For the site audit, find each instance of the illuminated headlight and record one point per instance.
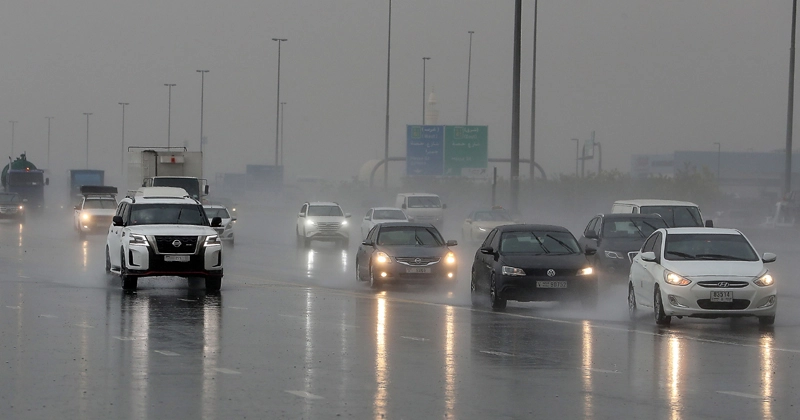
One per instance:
(137, 239)
(344, 223)
(450, 258)
(513, 271)
(233, 209)
(613, 255)
(212, 240)
(21, 207)
(85, 216)
(675, 279)
(586, 271)
(765, 280)
(382, 257)
(310, 223)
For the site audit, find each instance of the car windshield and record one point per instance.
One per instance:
(631, 227)
(722, 247)
(9, 198)
(538, 242)
(389, 215)
(217, 212)
(676, 216)
(429, 202)
(410, 236)
(25, 178)
(325, 211)
(100, 203)
(167, 214)
(491, 216)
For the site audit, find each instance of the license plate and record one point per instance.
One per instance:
(418, 270)
(722, 296)
(552, 284)
(176, 258)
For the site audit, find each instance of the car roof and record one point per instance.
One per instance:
(629, 216)
(161, 192)
(322, 203)
(420, 194)
(214, 206)
(386, 208)
(702, 230)
(405, 224)
(530, 227)
(656, 202)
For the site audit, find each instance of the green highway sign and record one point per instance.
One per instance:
(466, 150)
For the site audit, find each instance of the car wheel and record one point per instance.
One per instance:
(658, 309)
(129, 282)
(108, 260)
(373, 283)
(358, 271)
(473, 290)
(213, 283)
(765, 321)
(497, 302)
(631, 302)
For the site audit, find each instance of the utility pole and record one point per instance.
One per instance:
(533, 92)
(87, 138)
(278, 98)
(469, 70)
(169, 113)
(515, 106)
(48, 142)
(424, 60)
(388, 72)
(787, 186)
(122, 146)
(202, 93)
(283, 112)
(13, 123)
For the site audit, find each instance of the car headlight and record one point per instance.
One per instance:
(614, 255)
(513, 271)
(382, 257)
(765, 280)
(344, 223)
(310, 223)
(586, 271)
(675, 279)
(137, 239)
(21, 207)
(85, 216)
(212, 240)
(450, 258)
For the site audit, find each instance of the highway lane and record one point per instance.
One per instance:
(292, 335)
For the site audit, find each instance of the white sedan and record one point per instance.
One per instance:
(702, 272)
(377, 215)
(225, 230)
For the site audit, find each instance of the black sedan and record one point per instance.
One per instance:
(405, 253)
(617, 238)
(532, 263)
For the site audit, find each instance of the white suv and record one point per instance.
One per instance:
(161, 232)
(322, 221)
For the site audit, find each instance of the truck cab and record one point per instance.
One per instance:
(197, 188)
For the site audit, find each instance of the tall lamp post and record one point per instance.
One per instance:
(787, 181)
(719, 150)
(577, 154)
(13, 123)
(283, 113)
(87, 138)
(424, 60)
(48, 141)
(169, 112)
(122, 146)
(388, 72)
(278, 98)
(202, 88)
(469, 70)
(515, 105)
(533, 91)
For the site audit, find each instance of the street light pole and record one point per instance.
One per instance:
(515, 117)
(388, 72)
(469, 70)
(48, 141)
(278, 98)
(787, 185)
(577, 155)
(719, 150)
(122, 147)
(282, 115)
(424, 60)
(169, 113)
(13, 123)
(202, 93)
(87, 138)
(533, 91)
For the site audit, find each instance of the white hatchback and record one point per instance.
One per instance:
(702, 272)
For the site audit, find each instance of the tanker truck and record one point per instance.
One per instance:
(22, 177)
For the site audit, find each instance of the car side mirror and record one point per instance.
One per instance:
(487, 250)
(590, 251)
(769, 257)
(368, 243)
(347, 215)
(117, 221)
(709, 223)
(301, 215)
(233, 219)
(47, 181)
(216, 221)
(590, 234)
(205, 189)
(452, 242)
(649, 256)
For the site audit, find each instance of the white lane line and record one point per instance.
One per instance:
(293, 316)
(306, 317)
(497, 353)
(414, 338)
(13, 307)
(120, 338)
(23, 277)
(237, 307)
(228, 371)
(48, 316)
(743, 395)
(83, 325)
(600, 370)
(167, 353)
(306, 395)
(187, 300)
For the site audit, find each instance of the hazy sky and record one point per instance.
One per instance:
(648, 77)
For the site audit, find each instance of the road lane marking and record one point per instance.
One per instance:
(228, 371)
(743, 395)
(24, 277)
(306, 395)
(48, 316)
(237, 307)
(13, 307)
(187, 300)
(83, 325)
(599, 370)
(414, 338)
(497, 353)
(120, 338)
(304, 317)
(167, 353)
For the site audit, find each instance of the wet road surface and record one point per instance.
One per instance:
(293, 335)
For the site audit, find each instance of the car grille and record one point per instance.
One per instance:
(188, 244)
(722, 284)
(542, 272)
(328, 226)
(736, 304)
(418, 261)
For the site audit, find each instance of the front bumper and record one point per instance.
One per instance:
(525, 288)
(440, 273)
(143, 261)
(95, 224)
(695, 301)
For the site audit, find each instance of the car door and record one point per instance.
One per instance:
(592, 226)
(365, 251)
(76, 214)
(648, 271)
(483, 262)
(366, 224)
(113, 240)
(301, 220)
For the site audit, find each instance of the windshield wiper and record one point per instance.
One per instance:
(571, 251)
(682, 254)
(720, 257)
(544, 248)
(638, 229)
